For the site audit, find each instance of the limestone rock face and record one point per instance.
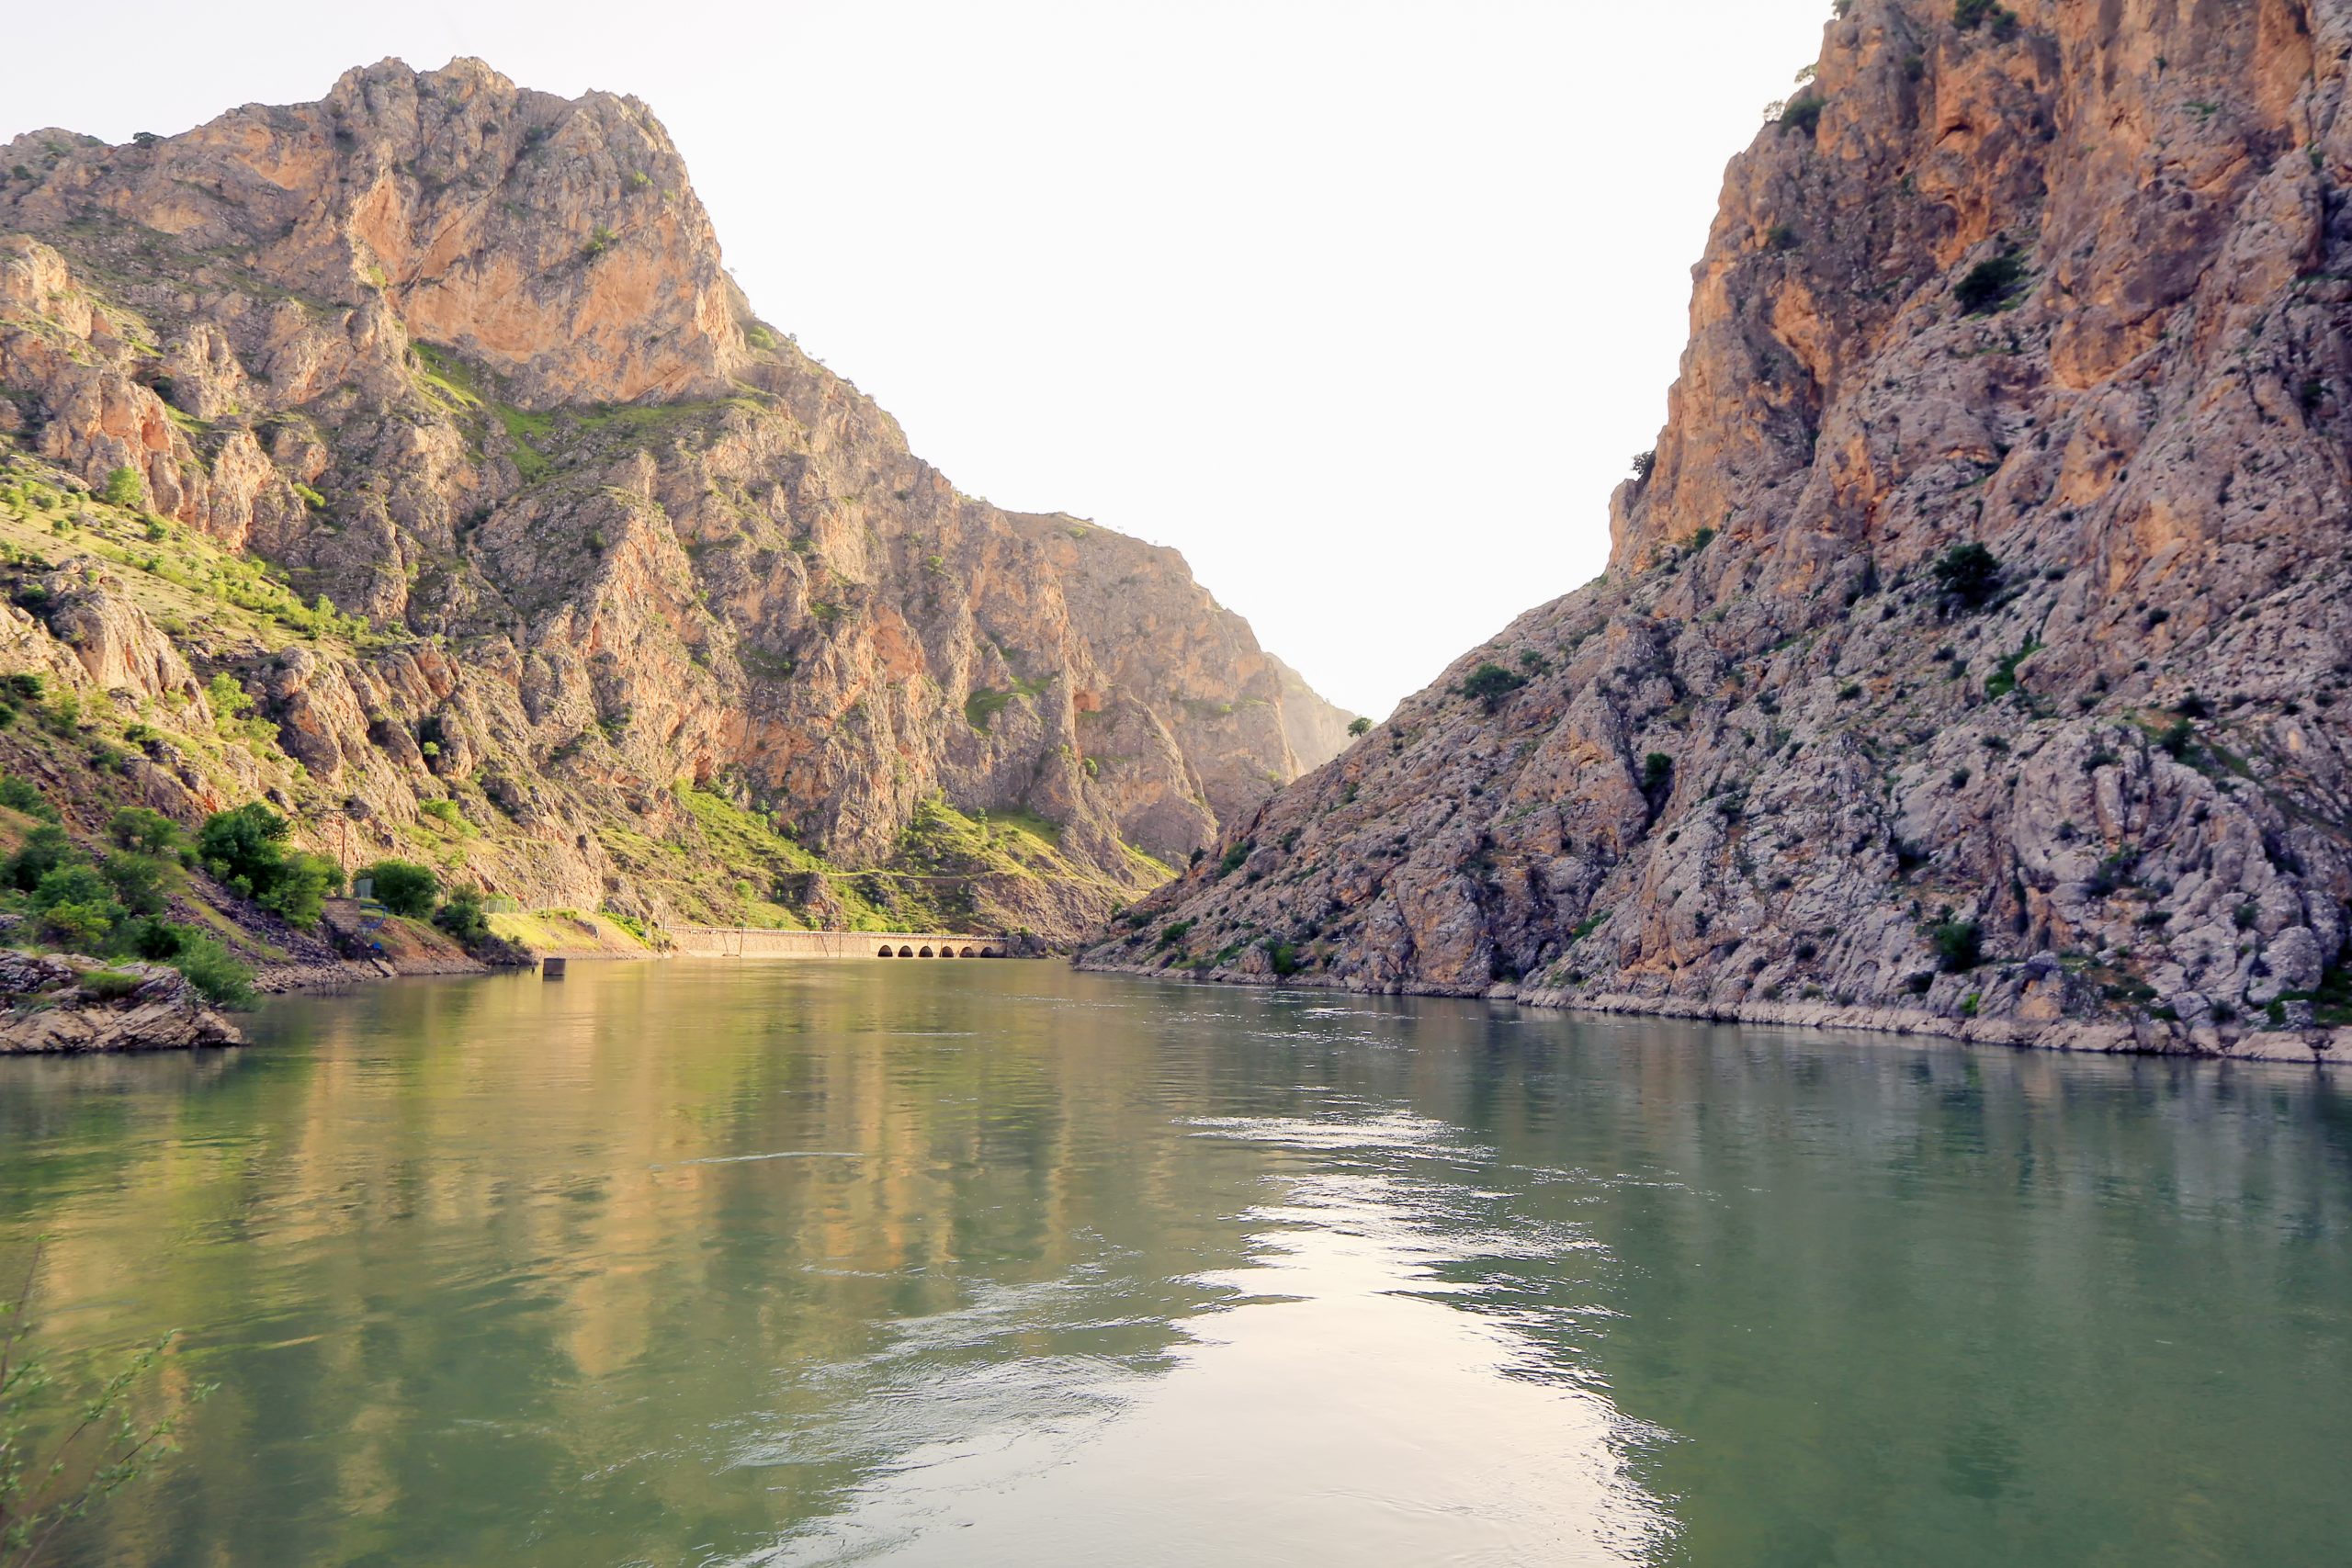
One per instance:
(2068, 286)
(461, 359)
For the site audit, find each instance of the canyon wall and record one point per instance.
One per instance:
(1973, 654)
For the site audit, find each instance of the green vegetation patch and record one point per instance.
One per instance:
(984, 704)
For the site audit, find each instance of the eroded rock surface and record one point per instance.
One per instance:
(2070, 283)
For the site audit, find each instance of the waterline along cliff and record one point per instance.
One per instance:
(409, 460)
(1973, 654)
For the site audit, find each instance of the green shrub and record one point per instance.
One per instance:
(213, 970)
(1803, 113)
(1489, 685)
(19, 795)
(45, 849)
(1360, 727)
(245, 849)
(144, 882)
(1657, 773)
(1172, 934)
(462, 916)
(155, 940)
(1285, 958)
(1970, 15)
(1968, 573)
(82, 928)
(1958, 945)
(123, 489)
(149, 833)
(1990, 285)
(1235, 856)
(75, 882)
(403, 887)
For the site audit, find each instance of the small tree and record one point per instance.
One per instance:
(149, 833)
(1360, 726)
(1489, 685)
(123, 489)
(43, 850)
(404, 887)
(462, 916)
(246, 849)
(144, 882)
(1968, 573)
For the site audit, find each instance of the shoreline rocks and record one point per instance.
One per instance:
(65, 1006)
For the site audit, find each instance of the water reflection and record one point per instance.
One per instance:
(1392, 1427)
(713, 1263)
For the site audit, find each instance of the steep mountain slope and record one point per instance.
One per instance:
(598, 586)
(2068, 284)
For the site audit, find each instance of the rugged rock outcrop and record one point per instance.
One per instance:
(57, 1005)
(562, 543)
(2066, 283)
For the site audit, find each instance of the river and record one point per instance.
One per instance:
(784, 1263)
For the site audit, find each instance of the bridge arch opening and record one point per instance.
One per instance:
(886, 951)
(965, 954)
(906, 952)
(925, 952)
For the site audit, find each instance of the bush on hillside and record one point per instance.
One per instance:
(122, 489)
(114, 909)
(1969, 573)
(1958, 945)
(18, 795)
(1489, 685)
(463, 918)
(245, 849)
(149, 833)
(1990, 285)
(403, 887)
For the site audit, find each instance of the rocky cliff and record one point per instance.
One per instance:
(1974, 653)
(427, 416)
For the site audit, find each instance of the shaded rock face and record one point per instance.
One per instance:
(2068, 286)
(463, 359)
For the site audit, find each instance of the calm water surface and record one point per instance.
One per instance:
(994, 1263)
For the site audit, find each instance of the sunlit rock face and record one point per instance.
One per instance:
(463, 358)
(2065, 283)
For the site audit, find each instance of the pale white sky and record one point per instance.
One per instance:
(1363, 306)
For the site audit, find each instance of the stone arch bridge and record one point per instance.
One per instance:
(743, 941)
